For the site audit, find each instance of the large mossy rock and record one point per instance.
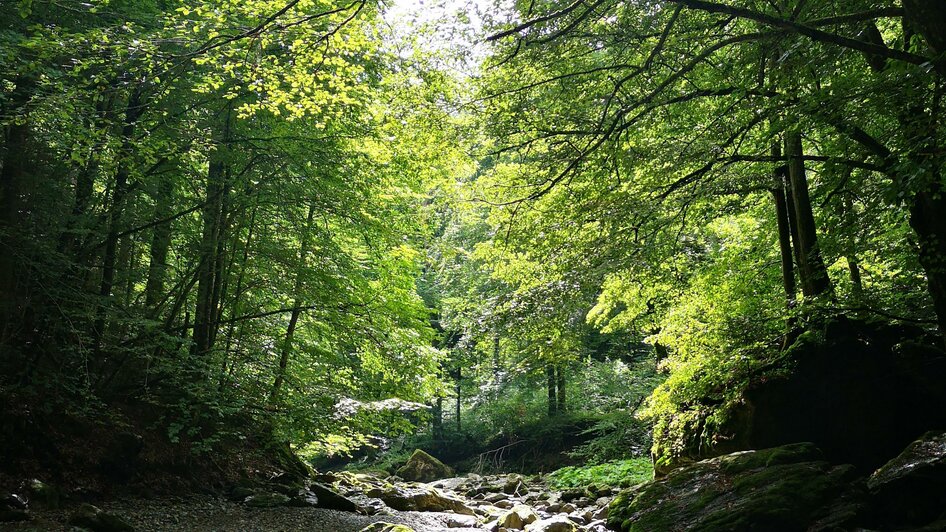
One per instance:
(911, 488)
(785, 488)
(421, 499)
(422, 467)
(861, 391)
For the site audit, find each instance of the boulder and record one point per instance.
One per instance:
(422, 467)
(13, 508)
(514, 484)
(518, 517)
(859, 390)
(327, 498)
(94, 519)
(558, 523)
(462, 521)
(790, 487)
(422, 499)
(911, 488)
(267, 500)
(42, 494)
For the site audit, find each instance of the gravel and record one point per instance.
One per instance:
(204, 514)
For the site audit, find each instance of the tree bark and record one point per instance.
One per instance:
(814, 275)
(204, 312)
(133, 112)
(560, 387)
(160, 245)
(459, 389)
(553, 400)
(784, 234)
(296, 309)
(15, 165)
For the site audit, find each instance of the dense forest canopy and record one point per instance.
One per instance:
(282, 213)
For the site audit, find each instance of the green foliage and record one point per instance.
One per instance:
(621, 473)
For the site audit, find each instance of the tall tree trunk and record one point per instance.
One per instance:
(560, 386)
(553, 400)
(15, 166)
(857, 286)
(160, 245)
(784, 234)
(437, 419)
(928, 220)
(120, 189)
(459, 390)
(236, 308)
(212, 214)
(296, 307)
(814, 275)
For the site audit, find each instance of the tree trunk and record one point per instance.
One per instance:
(857, 286)
(15, 165)
(928, 220)
(212, 214)
(132, 114)
(459, 389)
(160, 245)
(560, 386)
(437, 420)
(296, 308)
(784, 234)
(553, 400)
(814, 275)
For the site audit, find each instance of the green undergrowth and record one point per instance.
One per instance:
(622, 473)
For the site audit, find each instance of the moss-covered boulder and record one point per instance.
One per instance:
(422, 467)
(783, 488)
(911, 488)
(861, 390)
(267, 500)
(422, 499)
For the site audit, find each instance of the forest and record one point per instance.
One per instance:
(408, 266)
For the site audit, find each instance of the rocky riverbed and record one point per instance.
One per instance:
(347, 502)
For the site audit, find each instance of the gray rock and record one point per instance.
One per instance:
(42, 494)
(462, 521)
(422, 499)
(266, 500)
(518, 517)
(387, 527)
(495, 497)
(558, 523)
(328, 498)
(422, 467)
(94, 519)
(911, 488)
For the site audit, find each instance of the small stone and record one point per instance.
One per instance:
(462, 521)
(496, 497)
(503, 504)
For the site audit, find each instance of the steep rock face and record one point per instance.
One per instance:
(784, 488)
(861, 391)
(422, 467)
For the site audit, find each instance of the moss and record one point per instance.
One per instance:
(771, 489)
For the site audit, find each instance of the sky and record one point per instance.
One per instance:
(456, 27)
